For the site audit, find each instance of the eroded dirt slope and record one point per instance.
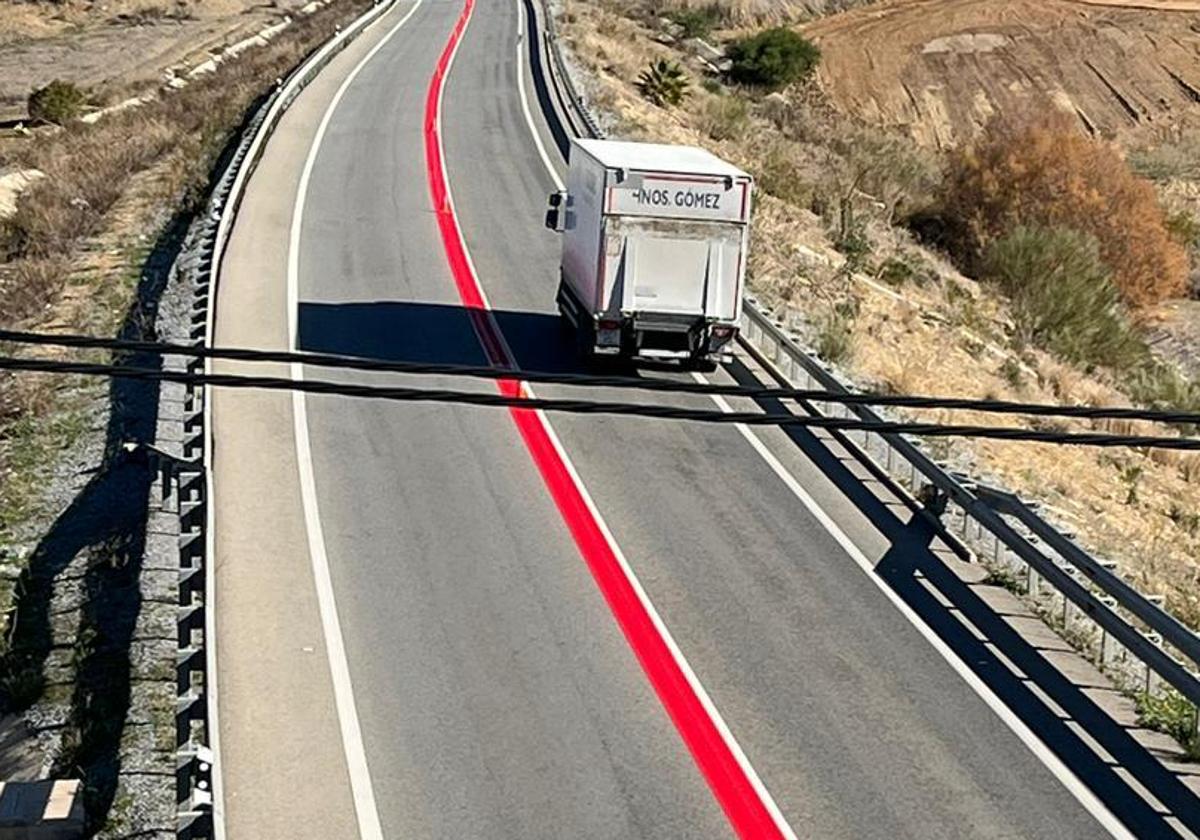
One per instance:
(119, 44)
(942, 68)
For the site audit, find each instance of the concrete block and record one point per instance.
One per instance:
(45, 810)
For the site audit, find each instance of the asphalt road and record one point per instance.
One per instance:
(496, 695)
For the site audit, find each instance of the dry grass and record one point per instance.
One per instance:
(936, 332)
(70, 256)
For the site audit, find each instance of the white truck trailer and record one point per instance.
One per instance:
(653, 250)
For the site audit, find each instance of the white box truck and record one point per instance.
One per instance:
(654, 241)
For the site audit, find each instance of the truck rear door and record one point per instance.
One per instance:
(675, 267)
(673, 243)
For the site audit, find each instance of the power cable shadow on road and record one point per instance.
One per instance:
(910, 567)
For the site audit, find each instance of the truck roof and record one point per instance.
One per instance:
(659, 157)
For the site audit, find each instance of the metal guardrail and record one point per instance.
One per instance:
(198, 779)
(1161, 644)
(583, 121)
(1099, 595)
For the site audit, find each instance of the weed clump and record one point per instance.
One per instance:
(1172, 713)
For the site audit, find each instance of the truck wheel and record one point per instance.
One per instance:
(566, 329)
(701, 364)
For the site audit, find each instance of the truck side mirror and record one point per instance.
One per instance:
(556, 216)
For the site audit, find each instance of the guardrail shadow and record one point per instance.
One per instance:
(105, 526)
(435, 333)
(910, 558)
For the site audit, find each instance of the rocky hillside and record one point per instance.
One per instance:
(942, 68)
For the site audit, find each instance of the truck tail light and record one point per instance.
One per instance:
(609, 324)
(720, 334)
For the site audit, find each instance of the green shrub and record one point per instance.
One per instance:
(664, 83)
(772, 58)
(58, 102)
(1063, 297)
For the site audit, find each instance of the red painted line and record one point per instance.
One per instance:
(746, 810)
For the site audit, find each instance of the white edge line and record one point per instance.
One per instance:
(1043, 753)
(224, 226)
(367, 813)
(660, 626)
(537, 137)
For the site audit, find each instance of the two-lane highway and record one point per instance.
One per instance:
(414, 640)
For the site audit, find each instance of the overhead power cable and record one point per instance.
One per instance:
(441, 395)
(329, 360)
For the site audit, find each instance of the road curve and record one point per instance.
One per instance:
(494, 693)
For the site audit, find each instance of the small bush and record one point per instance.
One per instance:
(1043, 172)
(851, 238)
(895, 271)
(1010, 371)
(27, 286)
(58, 102)
(698, 22)
(725, 117)
(1184, 228)
(835, 336)
(772, 58)
(1176, 158)
(1157, 385)
(1062, 296)
(780, 176)
(664, 83)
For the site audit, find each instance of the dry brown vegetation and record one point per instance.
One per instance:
(916, 325)
(65, 256)
(117, 48)
(1040, 170)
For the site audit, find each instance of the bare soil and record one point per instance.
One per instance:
(941, 68)
(118, 46)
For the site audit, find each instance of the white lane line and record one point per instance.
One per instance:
(1053, 763)
(369, 827)
(710, 708)
(1061, 771)
(537, 137)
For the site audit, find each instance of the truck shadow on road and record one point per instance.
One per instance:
(911, 568)
(435, 333)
